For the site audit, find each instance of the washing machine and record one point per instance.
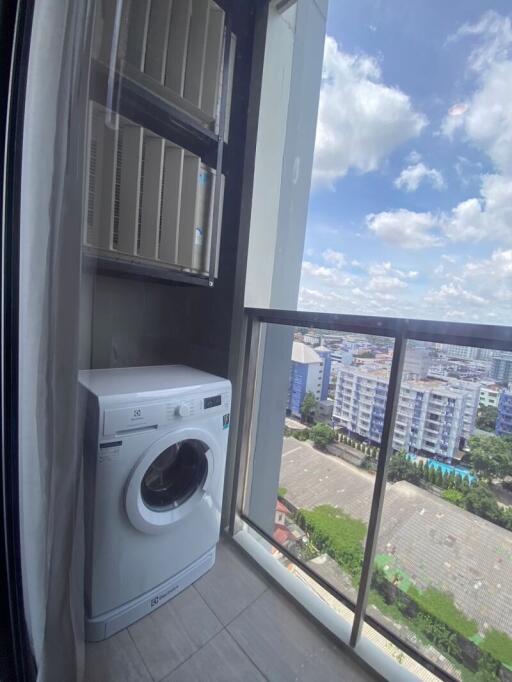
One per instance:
(154, 460)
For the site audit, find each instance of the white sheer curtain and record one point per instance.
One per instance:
(50, 423)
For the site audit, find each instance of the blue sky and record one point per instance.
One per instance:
(411, 203)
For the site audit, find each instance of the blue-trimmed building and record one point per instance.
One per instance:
(504, 420)
(325, 355)
(309, 372)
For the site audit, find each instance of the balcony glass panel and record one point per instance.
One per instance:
(442, 579)
(320, 469)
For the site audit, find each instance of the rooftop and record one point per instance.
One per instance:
(304, 354)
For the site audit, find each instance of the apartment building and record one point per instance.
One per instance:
(461, 352)
(307, 375)
(360, 400)
(504, 420)
(489, 395)
(434, 417)
(501, 368)
(325, 355)
(417, 362)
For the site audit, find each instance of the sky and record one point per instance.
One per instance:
(410, 211)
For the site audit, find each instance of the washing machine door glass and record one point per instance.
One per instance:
(175, 475)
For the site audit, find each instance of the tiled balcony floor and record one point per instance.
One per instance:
(232, 624)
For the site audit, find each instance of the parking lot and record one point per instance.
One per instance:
(433, 541)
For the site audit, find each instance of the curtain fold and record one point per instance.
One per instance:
(51, 496)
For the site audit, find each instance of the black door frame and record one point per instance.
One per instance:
(15, 29)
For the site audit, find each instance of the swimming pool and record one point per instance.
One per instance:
(449, 468)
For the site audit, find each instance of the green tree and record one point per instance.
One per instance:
(480, 500)
(307, 409)
(490, 457)
(321, 435)
(439, 478)
(453, 496)
(367, 354)
(401, 468)
(486, 418)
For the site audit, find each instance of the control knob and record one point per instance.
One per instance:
(183, 410)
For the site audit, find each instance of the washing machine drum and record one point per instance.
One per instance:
(171, 478)
(175, 475)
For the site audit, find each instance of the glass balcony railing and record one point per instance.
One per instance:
(409, 536)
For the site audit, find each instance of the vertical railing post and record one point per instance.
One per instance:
(245, 416)
(379, 489)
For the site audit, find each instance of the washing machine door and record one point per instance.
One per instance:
(171, 478)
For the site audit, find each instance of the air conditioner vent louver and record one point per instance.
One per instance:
(148, 199)
(151, 201)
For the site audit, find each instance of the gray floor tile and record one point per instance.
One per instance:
(173, 632)
(221, 660)
(115, 660)
(285, 645)
(232, 584)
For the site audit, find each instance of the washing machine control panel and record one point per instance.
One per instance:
(134, 418)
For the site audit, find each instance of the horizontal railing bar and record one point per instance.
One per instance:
(370, 620)
(496, 337)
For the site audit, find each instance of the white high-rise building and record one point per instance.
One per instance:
(416, 363)
(434, 417)
(461, 352)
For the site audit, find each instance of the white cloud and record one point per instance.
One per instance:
(484, 218)
(488, 122)
(487, 217)
(334, 257)
(385, 283)
(412, 177)
(413, 157)
(454, 292)
(407, 229)
(495, 34)
(329, 276)
(481, 290)
(319, 271)
(487, 116)
(360, 119)
(478, 289)
(376, 269)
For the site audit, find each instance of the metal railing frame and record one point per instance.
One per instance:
(400, 330)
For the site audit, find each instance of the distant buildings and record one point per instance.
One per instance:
(461, 352)
(311, 338)
(489, 395)
(325, 355)
(501, 368)
(307, 372)
(434, 417)
(416, 363)
(504, 420)
(341, 357)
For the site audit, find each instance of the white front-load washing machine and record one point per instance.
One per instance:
(154, 460)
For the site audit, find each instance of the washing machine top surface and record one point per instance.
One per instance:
(144, 380)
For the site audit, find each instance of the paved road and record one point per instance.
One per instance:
(435, 542)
